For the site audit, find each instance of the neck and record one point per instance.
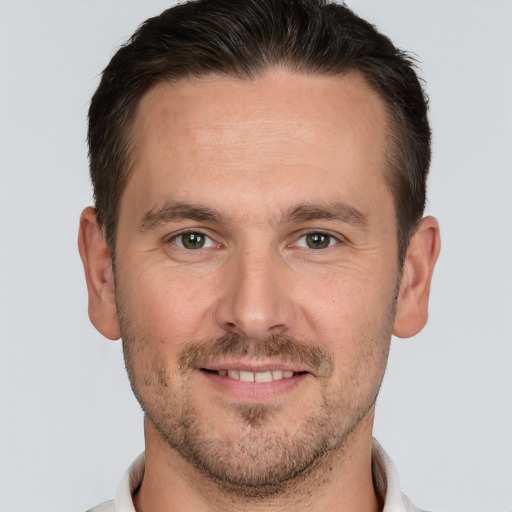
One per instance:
(341, 480)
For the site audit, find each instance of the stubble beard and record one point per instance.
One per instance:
(263, 460)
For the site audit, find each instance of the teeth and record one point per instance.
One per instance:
(234, 374)
(263, 377)
(246, 376)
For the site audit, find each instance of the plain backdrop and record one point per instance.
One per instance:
(69, 424)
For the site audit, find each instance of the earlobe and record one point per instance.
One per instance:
(99, 275)
(412, 308)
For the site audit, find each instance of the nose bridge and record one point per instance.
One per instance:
(255, 303)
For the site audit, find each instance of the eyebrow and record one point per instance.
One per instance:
(172, 211)
(177, 210)
(338, 211)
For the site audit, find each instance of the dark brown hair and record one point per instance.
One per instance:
(243, 38)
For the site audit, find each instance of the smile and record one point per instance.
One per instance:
(249, 385)
(247, 376)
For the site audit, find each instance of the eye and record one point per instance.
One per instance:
(316, 240)
(193, 240)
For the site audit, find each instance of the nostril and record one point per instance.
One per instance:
(277, 328)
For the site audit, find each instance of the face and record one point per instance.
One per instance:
(256, 270)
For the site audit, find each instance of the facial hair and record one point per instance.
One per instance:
(260, 457)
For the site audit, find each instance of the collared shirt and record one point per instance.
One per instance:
(384, 476)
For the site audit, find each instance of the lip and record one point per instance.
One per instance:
(253, 391)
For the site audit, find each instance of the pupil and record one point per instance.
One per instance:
(193, 240)
(318, 241)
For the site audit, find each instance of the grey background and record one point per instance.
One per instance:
(69, 425)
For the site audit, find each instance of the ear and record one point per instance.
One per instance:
(412, 308)
(99, 275)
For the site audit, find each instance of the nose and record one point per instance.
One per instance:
(256, 300)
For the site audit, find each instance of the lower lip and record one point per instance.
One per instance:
(254, 391)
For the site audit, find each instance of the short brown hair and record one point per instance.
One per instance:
(242, 38)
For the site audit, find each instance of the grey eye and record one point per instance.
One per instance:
(316, 240)
(193, 240)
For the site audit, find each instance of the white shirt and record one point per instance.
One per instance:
(384, 475)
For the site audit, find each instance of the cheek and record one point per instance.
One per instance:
(167, 306)
(343, 305)
(352, 319)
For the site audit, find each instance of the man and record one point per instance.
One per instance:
(259, 171)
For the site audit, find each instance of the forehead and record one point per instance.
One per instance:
(281, 130)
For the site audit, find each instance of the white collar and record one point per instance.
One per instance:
(387, 485)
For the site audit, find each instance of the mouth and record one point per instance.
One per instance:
(256, 383)
(249, 376)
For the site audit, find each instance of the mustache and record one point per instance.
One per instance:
(282, 347)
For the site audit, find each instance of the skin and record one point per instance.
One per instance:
(258, 168)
